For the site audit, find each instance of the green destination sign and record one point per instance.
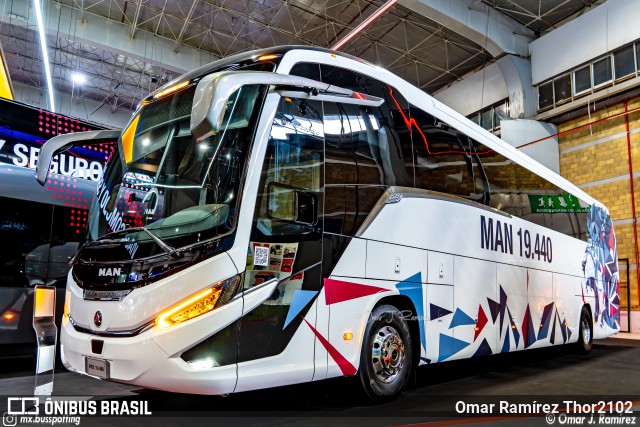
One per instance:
(561, 203)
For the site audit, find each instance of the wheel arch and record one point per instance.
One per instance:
(407, 308)
(589, 310)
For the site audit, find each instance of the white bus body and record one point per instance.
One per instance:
(300, 281)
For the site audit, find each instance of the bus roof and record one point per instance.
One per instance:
(247, 56)
(413, 94)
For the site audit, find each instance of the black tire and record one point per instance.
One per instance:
(585, 336)
(387, 336)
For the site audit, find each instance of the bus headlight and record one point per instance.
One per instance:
(203, 302)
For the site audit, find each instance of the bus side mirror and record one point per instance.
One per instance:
(60, 143)
(291, 204)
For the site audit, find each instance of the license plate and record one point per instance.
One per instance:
(97, 367)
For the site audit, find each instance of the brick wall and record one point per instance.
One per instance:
(595, 158)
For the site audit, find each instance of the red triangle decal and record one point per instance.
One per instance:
(481, 322)
(347, 368)
(613, 310)
(336, 291)
(612, 239)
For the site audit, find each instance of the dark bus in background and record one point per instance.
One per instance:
(40, 227)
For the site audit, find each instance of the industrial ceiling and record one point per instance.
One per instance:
(417, 48)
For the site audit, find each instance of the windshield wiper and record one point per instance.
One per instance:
(108, 238)
(164, 245)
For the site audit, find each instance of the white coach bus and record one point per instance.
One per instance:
(295, 214)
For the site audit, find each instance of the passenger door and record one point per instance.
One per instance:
(276, 345)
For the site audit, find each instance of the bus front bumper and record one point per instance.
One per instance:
(140, 361)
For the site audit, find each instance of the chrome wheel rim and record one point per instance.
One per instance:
(387, 354)
(586, 331)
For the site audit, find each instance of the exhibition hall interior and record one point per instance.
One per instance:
(286, 212)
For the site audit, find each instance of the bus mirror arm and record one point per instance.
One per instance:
(61, 143)
(213, 93)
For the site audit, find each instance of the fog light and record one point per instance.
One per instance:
(207, 363)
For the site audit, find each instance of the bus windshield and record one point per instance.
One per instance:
(167, 190)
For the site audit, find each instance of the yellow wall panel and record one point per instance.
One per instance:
(5, 84)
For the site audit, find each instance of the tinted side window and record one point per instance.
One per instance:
(446, 160)
(353, 169)
(354, 151)
(306, 69)
(449, 161)
(522, 193)
(290, 196)
(386, 126)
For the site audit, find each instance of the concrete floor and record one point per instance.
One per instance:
(610, 372)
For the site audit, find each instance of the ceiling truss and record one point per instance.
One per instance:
(418, 49)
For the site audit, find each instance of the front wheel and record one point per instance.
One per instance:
(386, 359)
(585, 338)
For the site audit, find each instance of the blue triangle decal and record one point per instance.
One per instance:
(437, 312)
(545, 321)
(461, 318)
(449, 346)
(507, 344)
(412, 288)
(298, 303)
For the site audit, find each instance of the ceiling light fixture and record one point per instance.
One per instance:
(364, 24)
(78, 78)
(45, 54)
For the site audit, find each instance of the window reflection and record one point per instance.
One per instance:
(291, 179)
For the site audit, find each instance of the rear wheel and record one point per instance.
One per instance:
(386, 359)
(585, 339)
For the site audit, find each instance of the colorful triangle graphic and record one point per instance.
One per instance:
(494, 309)
(461, 318)
(613, 310)
(450, 346)
(298, 303)
(563, 329)
(336, 291)
(437, 312)
(506, 346)
(545, 321)
(412, 288)
(503, 305)
(528, 333)
(483, 350)
(514, 329)
(480, 324)
(345, 366)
